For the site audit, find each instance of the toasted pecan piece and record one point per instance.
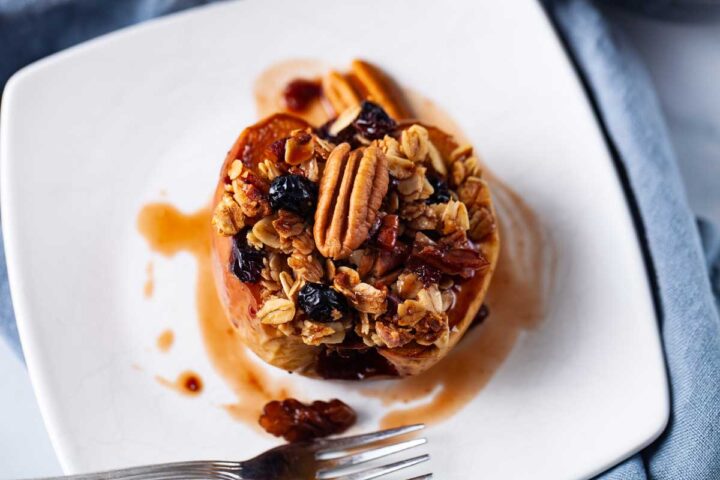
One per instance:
(351, 191)
(380, 89)
(339, 92)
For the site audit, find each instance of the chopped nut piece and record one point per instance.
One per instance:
(362, 296)
(391, 336)
(307, 267)
(408, 285)
(431, 328)
(228, 218)
(311, 169)
(251, 199)
(276, 311)
(288, 225)
(303, 243)
(410, 312)
(368, 299)
(345, 280)
(299, 148)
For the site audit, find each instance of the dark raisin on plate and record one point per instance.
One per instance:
(373, 122)
(294, 193)
(297, 422)
(246, 262)
(300, 92)
(320, 302)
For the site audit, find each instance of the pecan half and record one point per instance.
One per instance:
(339, 92)
(351, 191)
(379, 88)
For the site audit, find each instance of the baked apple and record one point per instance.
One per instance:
(361, 248)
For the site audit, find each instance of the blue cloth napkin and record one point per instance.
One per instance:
(683, 257)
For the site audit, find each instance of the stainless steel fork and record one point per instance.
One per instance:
(323, 459)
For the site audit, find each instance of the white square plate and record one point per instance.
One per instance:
(93, 133)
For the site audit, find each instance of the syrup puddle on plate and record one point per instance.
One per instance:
(516, 298)
(168, 232)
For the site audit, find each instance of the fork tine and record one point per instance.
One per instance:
(427, 476)
(329, 448)
(372, 454)
(376, 472)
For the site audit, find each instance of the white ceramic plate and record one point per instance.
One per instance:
(91, 134)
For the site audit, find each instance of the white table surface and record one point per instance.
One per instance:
(684, 61)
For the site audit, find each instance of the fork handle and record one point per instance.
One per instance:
(167, 471)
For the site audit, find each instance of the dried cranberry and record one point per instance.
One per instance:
(482, 314)
(247, 263)
(427, 274)
(441, 192)
(299, 93)
(296, 421)
(320, 302)
(294, 193)
(277, 148)
(373, 122)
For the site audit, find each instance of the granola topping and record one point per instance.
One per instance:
(360, 233)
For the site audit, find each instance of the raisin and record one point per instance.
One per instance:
(353, 364)
(300, 92)
(294, 193)
(320, 302)
(482, 314)
(441, 192)
(297, 422)
(247, 263)
(373, 122)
